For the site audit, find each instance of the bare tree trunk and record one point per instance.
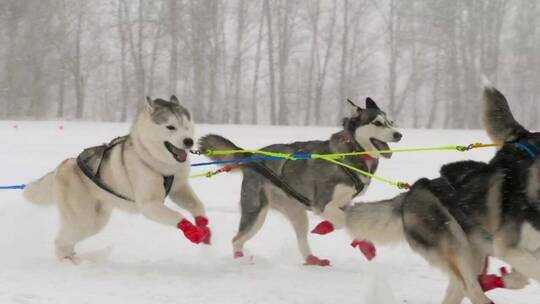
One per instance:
(136, 50)
(237, 74)
(124, 91)
(314, 18)
(218, 54)
(173, 64)
(271, 62)
(343, 66)
(155, 50)
(435, 91)
(78, 78)
(322, 74)
(254, 100)
(283, 60)
(141, 83)
(393, 54)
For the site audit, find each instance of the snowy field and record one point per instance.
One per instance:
(137, 261)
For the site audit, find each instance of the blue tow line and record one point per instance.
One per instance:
(237, 161)
(21, 186)
(217, 162)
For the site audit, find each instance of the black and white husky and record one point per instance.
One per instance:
(475, 210)
(133, 173)
(293, 187)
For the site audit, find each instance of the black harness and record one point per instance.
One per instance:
(530, 149)
(280, 182)
(90, 160)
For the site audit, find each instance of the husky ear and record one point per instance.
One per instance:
(497, 117)
(357, 109)
(150, 104)
(174, 99)
(370, 104)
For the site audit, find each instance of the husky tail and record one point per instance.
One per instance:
(40, 192)
(380, 222)
(217, 142)
(497, 117)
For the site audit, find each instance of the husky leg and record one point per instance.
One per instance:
(186, 198)
(463, 281)
(252, 218)
(298, 218)
(81, 216)
(454, 292)
(333, 213)
(77, 226)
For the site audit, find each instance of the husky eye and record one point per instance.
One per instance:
(171, 127)
(378, 124)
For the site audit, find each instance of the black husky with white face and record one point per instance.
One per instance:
(475, 210)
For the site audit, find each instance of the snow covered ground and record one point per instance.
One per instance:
(137, 261)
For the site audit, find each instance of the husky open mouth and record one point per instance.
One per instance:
(381, 146)
(179, 155)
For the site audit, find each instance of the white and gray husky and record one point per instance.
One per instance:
(475, 210)
(133, 173)
(294, 187)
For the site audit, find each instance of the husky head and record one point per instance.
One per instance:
(371, 128)
(168, 127)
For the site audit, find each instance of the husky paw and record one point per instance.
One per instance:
(324, 227)
(74, 259)
(513, 279)
(312, 260)
(366, 247)
(202, 222)
(193, 233)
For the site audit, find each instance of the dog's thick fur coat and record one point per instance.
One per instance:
(475, 210)
(156, 147)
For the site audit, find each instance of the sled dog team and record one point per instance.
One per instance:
(474, 210)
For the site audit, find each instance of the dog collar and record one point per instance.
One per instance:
(347, 140)
(529, 149)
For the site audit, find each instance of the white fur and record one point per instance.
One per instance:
(529, 238)
(341, 197)
(376, 222)
(384, 133)
(85, 208)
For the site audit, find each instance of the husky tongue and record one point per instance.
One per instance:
(381, 146)
(179, 155)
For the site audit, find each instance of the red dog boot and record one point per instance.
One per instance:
(201, 221)
(366, 247)
(324, 227)
(192, 232)
(490, 281)
(312, 260)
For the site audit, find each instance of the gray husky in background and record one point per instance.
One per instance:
(133, 173)
(475, 210)
(293, 187)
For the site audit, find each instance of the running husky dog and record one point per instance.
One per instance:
(293, 187)
(133, 173)
(475, 210)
